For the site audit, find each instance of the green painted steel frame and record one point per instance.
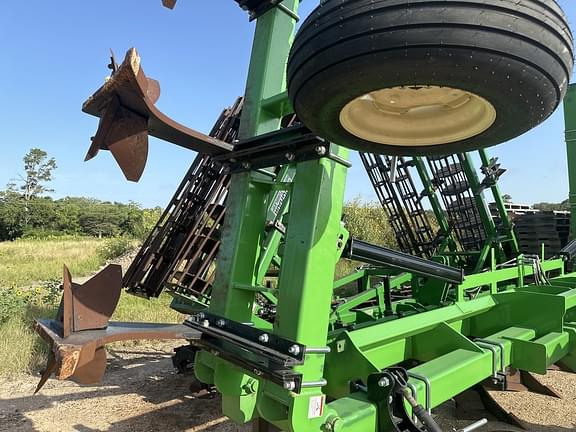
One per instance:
(570, 120)
(313, 240)
(526, 322)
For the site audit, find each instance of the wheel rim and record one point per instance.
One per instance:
(417, 116)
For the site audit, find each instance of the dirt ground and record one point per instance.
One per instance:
(142, 392)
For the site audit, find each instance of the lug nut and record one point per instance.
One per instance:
(294, 350)
(383, 382)
(264, 338)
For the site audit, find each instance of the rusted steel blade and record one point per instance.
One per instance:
(81, 356)
(91, 372)
(125, 134)
(125, 105)
(81, 329)
(90, 305)
(47, 372)
(169, 3)
(519, 381)
(94, 302)
(66, 310)
(153, 90)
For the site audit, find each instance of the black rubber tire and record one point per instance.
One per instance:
(518, 55)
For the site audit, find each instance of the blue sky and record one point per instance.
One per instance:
(54, 55)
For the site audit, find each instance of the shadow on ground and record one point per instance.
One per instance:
(140, 393)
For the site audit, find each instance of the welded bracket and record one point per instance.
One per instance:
(261, 353)
(257, 8)
(384, 389)
(289, 145)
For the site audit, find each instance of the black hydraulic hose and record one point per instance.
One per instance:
(421, 414)
(372, 254)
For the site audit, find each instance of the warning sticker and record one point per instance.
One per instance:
(316, 406)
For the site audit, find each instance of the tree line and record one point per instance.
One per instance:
(43, 217)
(26, 211)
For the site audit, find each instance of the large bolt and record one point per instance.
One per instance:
(221, 323)
(251, 386)
(264, 338)
(290, 156)
(320, 150)
(333, 424)
(289, 385)
(205, 323)
(294, 350)
(383, 382)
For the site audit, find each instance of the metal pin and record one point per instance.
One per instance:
(310, 384)
(318, 350)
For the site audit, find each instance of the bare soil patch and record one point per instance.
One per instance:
(142, 392)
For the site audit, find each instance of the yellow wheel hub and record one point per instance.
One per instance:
(417, 116)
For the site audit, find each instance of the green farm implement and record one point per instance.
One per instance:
(249, 244)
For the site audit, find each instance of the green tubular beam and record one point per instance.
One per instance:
(344, 313)
(570, 119)
(308, 265)
(506, 223)
(278, 104)
(246, 213)
(439, 213)
(487, 221)
(277, 209)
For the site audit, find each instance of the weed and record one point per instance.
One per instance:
(115, 247)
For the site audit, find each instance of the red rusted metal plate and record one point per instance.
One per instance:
(169, 3)
(95, 301)
(81, 329)
(125, 105)
(520, 381)
(81, 355)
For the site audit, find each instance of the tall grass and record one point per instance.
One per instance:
(137, 309)
(30, 273)
(23, 262)
(23, 351)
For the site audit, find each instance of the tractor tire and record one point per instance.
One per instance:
(429, 77)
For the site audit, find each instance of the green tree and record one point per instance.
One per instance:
(11, 215)
(37, 172)
(546, 206)
(150, 218)
(368, 221)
